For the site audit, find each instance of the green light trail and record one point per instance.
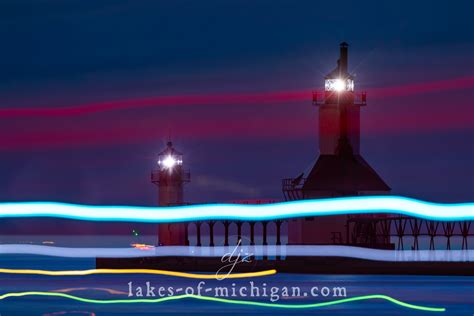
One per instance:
(228, 301)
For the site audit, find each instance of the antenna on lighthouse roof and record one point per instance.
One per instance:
(343, 59)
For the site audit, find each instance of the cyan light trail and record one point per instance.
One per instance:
(286, 250)
(319, 207)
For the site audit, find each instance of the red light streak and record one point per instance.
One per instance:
(223, 99)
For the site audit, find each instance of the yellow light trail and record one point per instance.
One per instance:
(137, 271)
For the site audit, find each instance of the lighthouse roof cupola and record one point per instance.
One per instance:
(339, 80)
(170, 158)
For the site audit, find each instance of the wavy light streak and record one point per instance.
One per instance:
(302, 208)
(218, 252)
(226, 98)
(229, 301)
(134, 271)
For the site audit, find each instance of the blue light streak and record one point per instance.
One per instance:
(258, 250)
(319, 207)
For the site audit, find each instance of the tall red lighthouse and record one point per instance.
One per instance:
(339, 110)
(170, 178)
(340, 169)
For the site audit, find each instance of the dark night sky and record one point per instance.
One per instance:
(414, 57)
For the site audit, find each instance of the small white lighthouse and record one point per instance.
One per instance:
(170, 178)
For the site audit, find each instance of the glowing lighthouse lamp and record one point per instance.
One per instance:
(339, 85)
(170, 159)
(169, 162)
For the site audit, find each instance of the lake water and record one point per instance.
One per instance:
(456, 294)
